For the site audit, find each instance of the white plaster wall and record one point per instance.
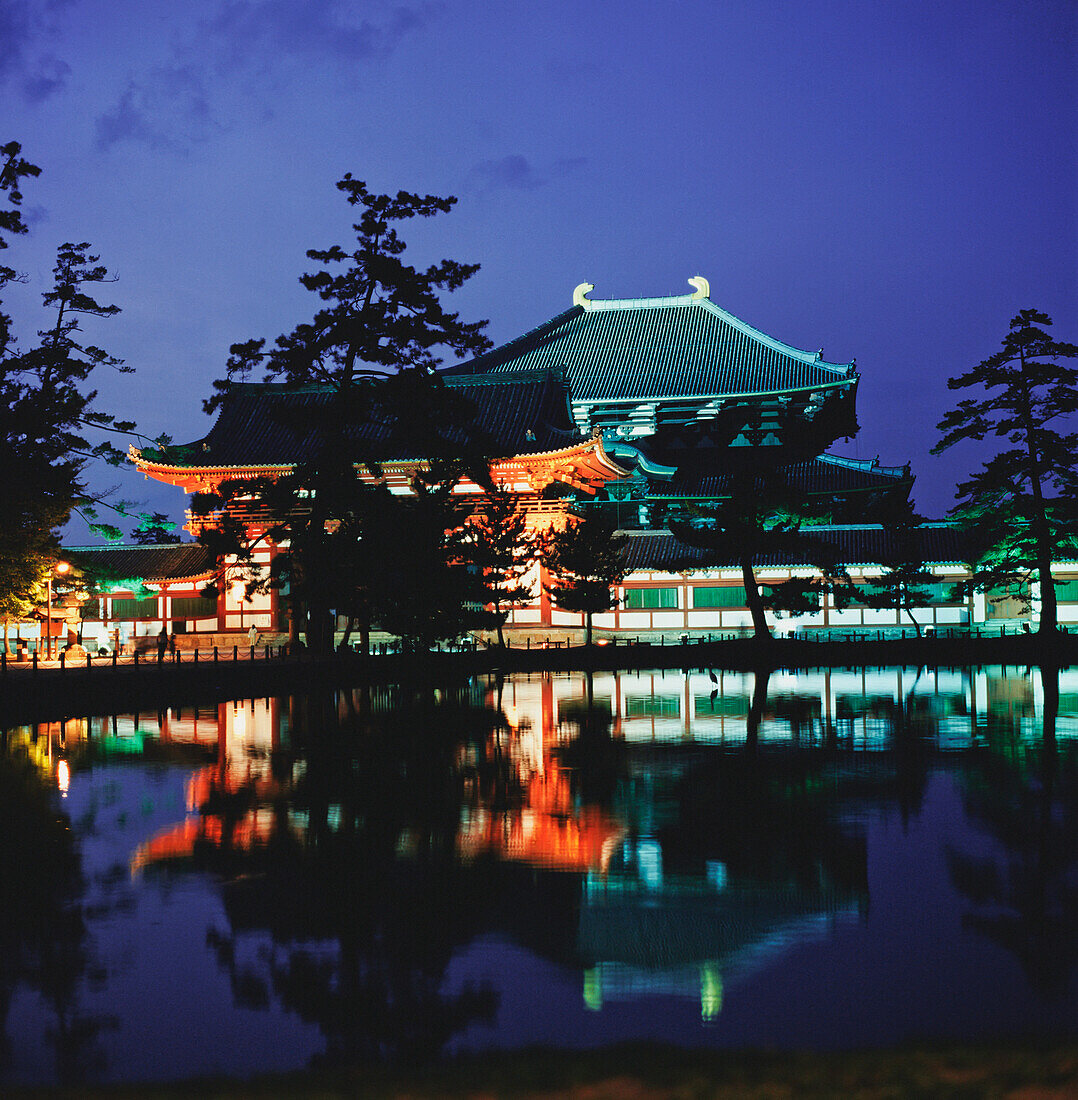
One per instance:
(667, 619)
(951, 615)
(703, 619)
(249, 618)
(878, 616)
(635, 620)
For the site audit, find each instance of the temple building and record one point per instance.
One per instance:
(639, 405)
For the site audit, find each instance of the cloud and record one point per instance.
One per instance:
(51, 76)
(311, 29)
(179, 103)
(16, 31)
(37, 75)
(170, 110)
(514, 172)
(34, 215)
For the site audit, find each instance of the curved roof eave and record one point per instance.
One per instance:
(815, 358)
(837, 384)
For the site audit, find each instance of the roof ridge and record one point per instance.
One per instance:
(521, 374)
(677, 301)
(863, 464)
(135, 546)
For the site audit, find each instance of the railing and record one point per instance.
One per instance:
(219, 654)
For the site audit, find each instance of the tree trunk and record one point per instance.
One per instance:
(912, 618)
(1049, 604)
(318, 638)
(587, 628)
(1039, 523)
(754, 600)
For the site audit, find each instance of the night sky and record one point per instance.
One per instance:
(887, 181)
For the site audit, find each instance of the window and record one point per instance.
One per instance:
(135, 609)
(934, 594)
(194, 607)
(726, 595)
(650, 597)
(943, 593)
(1067, 591)
(1010, 602)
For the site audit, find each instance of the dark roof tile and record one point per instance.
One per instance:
(659, 348)
(271, 424)
(149, 563)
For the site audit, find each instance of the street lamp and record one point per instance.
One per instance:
(60, 568)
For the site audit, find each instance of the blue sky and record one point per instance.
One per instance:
(887, 181)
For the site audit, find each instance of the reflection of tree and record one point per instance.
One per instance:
(368, 908)
(42, 933)
(768, 819)
(760, 680)
(1027, 899)
(596, 761)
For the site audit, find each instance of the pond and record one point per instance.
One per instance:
(830, 859)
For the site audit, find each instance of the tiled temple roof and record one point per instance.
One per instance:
(169, 562)
(271, 424)
(655, 348)
(855, 544)
(825, 474)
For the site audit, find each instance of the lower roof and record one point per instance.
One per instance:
(853, 544)
(274, 424)
(167, 562)
(823, 475)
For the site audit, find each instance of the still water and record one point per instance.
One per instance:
(830, 859)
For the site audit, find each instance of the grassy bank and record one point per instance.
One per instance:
(644, 1072)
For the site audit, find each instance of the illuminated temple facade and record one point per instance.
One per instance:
(637, 405)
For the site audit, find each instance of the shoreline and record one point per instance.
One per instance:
(651, 1071)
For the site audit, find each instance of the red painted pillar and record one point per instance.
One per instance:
(544, 599)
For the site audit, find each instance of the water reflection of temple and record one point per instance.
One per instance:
(637, 837)
(856, 705)
(231, 747)
(659, 911)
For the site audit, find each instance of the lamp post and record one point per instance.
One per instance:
(60, 568)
